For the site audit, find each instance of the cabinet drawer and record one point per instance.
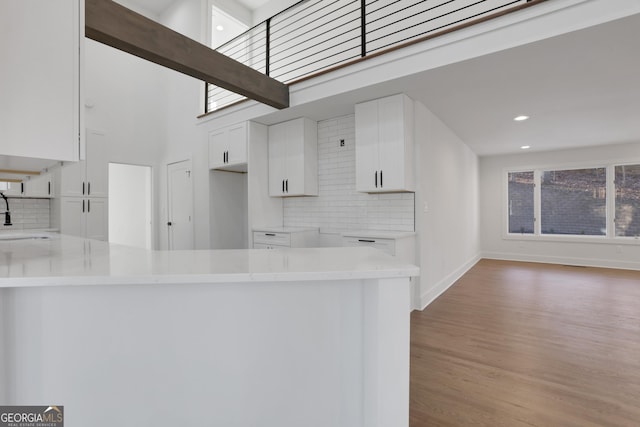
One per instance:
(280, 239)
(386, 245)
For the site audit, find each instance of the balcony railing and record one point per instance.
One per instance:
(315, 36)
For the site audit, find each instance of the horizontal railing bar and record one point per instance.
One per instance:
(326, 66)
(280, 19)
(305, 44)
(419, 13)
(275, 39)
(322, 59)
(288, 50)
(434, 29)
(317, 53)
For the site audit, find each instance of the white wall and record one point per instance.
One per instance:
(125, 98)
(184, 139)
(604, 254)
(338, 206)
(447, 182)
(130, 205)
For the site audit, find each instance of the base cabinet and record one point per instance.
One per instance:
(84, 217)
(285, 237)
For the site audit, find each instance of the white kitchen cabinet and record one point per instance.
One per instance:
(384, 145)
(40, 186)
(84, 217)
(12, 189)
(88, 177)
(293, 158)
(399, 244)
(228, 148)
(40, 46)
(284, 237)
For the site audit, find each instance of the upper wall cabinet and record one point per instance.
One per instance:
(384, 145)
(293, 158)
(228, 148)
(40, 78)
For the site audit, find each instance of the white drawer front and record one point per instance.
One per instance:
(280, 239)
(385, 245)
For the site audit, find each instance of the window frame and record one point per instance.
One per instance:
(610, 235)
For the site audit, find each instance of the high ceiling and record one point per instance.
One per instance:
(159, 6)
(579, 89)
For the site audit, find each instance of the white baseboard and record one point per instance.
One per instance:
(435, 291)
(582, 262)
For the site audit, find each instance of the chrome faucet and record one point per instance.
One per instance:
(7, 214)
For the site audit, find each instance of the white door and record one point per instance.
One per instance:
(180, 209)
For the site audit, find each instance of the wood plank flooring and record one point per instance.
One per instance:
(522, 344)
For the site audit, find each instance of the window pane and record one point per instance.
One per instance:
(628, 200)
(574, 202)
(521, 214)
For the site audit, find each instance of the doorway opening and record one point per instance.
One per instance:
(130, 217)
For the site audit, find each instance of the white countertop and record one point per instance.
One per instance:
(281, 229)
(374, 234)
(65, 260)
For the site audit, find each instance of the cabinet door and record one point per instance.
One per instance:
(391, 143)
(237, 144)
(72, 216)
(96, 222)
(367, 169)
(217, 148)
(38, 186)
(97, 165)
(277, 159)
(294, 158)
(72, 183)
(40, 78)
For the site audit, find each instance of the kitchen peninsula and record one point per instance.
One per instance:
(129, 337)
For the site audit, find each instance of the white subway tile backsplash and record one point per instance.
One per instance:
(338, 207)
(28, 213)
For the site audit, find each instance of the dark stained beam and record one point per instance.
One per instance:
(116, 26)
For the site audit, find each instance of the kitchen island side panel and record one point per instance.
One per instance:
(258, 353)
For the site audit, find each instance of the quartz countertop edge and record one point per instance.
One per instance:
(71, 261)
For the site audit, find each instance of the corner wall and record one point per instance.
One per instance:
(609, 254)
(447, 197)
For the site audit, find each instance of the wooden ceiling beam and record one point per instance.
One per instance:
(114, 25)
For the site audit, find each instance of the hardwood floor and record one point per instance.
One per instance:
(522, 344)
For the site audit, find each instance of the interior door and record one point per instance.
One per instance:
(180, 209)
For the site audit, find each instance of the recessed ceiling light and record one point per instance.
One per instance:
(520, 118)
(525, 147)
(220, 28)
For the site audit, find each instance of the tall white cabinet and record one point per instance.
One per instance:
(82, 206)
(40, 47)
(384, 145)
(293, 158)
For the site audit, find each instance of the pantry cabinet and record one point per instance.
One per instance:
(293, 158)
(40, 46)
(88, 177)
(228, 148)
(84, 217)
(384, 145)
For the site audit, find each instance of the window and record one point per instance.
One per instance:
(601, 202)
(574, 202)
(521, 212)
(627, 185)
